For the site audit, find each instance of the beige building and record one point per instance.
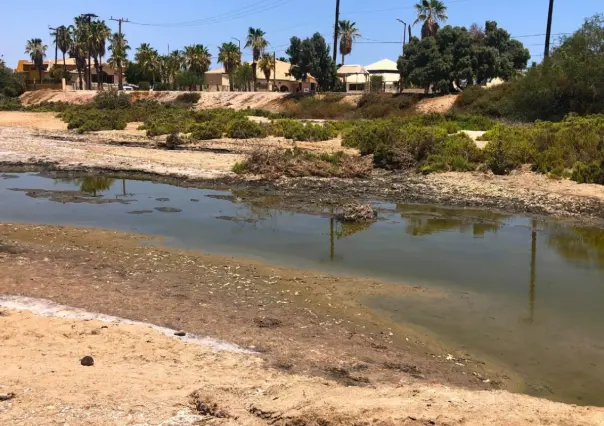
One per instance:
(388, 70)
(32, 77)
(355, 77)
(280, 81)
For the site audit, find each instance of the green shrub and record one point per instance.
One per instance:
(188, 98)
(10, 104)
(144, 85)
(206, 131)
(318, 107)
(588, 173)
(374, 105)
(243, 128)
(298, 131)
(509, 148)
(457, 153)
(92, 120)
(111, 99)
(161, 87)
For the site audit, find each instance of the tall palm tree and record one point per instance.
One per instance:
(81, 41)
(430, 13)
(175, 64)
(64, 43)
(229, 56)
(348, 33)
(99, 33)
(257, 42)
(118, 45)
(146, 56)
(37, 51)
(198, 59)
(266, 64)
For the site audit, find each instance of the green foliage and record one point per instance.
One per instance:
(111, 99)
(135, 73)
(457, 153)
(12, 84)
(298, 131)
(243, 128)
(588, 173)
(318, 107)
(374, 105)
(312, 56)
(455, 57)
(376, 83)
(510, 148)
(188, 98)
(569, 81)
(92, 120)
(144, 85)
(205, 131)
(10, 104)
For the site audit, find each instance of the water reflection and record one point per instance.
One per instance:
(577, 244)
(93, 184)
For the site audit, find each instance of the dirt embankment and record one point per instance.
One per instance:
(237, 100)
(316, 361)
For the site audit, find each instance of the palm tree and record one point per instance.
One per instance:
(176, 63)
(229, 56)
(348, 33)
(430, 12)
(257, 42)
(118, 45)
(37, 51)
(198, 59)
(99, 33)
(146, 56)
(64, 43)
(81, 38)
(266, 64)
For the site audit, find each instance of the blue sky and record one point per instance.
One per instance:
(194, 21)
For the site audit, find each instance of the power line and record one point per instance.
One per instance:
(224, 17)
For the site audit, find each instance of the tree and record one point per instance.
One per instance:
(12, 84)
(376, 83)
(99, 33)
(430, 13)
(348, 33)
(293, 51)
(64, 43)
(257, 42)
(197, 60)
(81, 47)
(118, 45)
(243, 77)
(230, 57)
(266, 64)
(146, 57)
(37, 52)
(313, 59)
(455, 58)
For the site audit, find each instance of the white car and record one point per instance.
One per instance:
(128, 88)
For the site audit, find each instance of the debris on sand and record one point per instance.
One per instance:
(7, 396)
(87, 361)
(268, 322)
(180, 333)
(356, 212)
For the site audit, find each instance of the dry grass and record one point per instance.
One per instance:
(272, 164)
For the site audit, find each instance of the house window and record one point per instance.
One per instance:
(356, 87)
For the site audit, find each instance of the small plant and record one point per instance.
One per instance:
(188, 98)
(173, 141)
(206, 131)
(245, 129)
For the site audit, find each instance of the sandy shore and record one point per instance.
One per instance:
(143, 377)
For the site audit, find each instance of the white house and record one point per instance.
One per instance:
(389, 72)
(356, 78)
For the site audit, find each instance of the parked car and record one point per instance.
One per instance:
(128, 88)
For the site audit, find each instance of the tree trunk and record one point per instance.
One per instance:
(40, 74)
(120, 84)
(64, 65)
(80, 78)
(254, 67)
(231, 86)
(97, 67)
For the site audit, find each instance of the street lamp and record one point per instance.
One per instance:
(404, 33)
(235, 38)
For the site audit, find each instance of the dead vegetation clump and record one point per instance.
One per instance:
(205, 406)
(173, 141)
(296, 162)
(356, 212)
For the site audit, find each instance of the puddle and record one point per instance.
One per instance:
(525, 292)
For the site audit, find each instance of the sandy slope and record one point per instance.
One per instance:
(141, 376)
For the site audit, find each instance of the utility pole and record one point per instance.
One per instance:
(404, 34)
(56, 30)
(275, 69)
(335, 32)
(548, 33)
(239, 41)
(120, 82)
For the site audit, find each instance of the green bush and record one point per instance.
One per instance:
(383, 105)
(243, 128)
(188, 98)
(588, 173)
(457, 153)
(509, 148)
(161, 87)
(144, 85)
(298, 131)
(10, 104)
(206, 131)
(111, 99)
(92, 120)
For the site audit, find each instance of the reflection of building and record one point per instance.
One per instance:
(28, 69)
(355, 76)
(281, 80)
(388, 70)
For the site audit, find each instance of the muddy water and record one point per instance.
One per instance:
(529, 293)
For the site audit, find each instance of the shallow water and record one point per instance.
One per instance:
(527, 293)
